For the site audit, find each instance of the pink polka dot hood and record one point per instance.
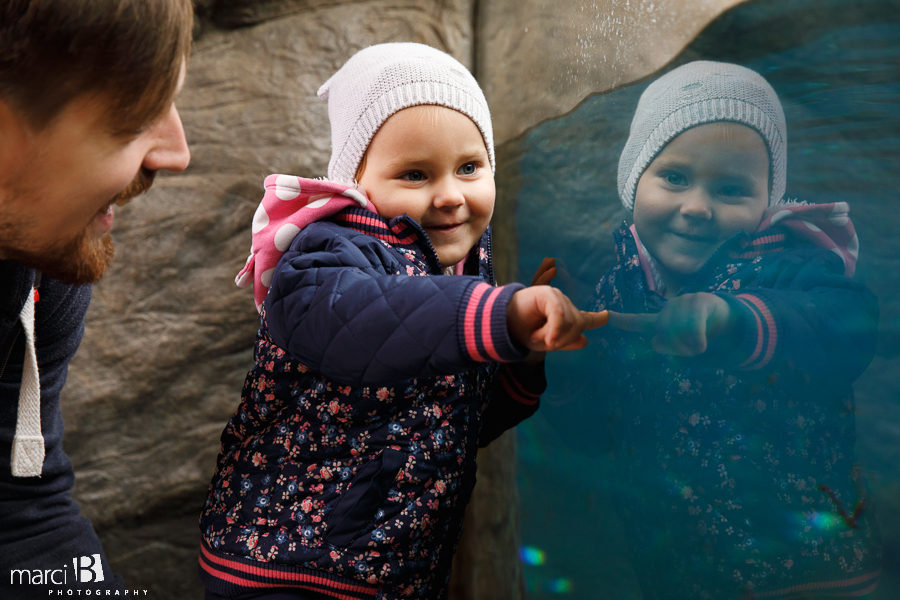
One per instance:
(289, 204)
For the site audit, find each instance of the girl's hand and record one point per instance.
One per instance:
(543, 319)
(545, 273)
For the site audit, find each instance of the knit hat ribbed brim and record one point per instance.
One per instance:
(694, 94)
(380, 80)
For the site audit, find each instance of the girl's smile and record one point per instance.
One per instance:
(431, 163)
(707, 184)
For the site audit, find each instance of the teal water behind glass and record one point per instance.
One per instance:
(836, 68)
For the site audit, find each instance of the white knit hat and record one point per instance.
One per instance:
(694, 94)
(380, 80)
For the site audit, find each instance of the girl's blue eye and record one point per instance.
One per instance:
(733, 191)
(468, 169)
(414, 176)
(675, 178)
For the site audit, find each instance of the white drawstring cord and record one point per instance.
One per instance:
(28, 443)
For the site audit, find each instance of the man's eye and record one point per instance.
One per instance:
(413, 176)
(468, 169)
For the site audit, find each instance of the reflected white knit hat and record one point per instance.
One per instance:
(380, 80)
(694, 94)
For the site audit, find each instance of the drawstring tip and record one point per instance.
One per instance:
(27, 456)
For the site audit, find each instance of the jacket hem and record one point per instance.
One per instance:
(230, 575)
(849, 587)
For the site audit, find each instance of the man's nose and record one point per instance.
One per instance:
(170, 149)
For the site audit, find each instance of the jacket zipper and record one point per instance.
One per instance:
(430, 252)
(490, 257)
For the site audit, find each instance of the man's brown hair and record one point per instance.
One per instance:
(128, 53)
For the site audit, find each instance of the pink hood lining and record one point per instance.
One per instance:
(825, 225)
(289, 204)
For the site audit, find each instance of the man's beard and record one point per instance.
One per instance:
(85, 258)
(82, 260)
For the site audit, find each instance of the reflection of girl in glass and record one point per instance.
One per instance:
(730, 398)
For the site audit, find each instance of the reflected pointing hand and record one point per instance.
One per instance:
(684, 327)
(595, 320)
(644, 323)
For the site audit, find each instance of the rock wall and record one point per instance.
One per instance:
(169, 338)
(539, 59)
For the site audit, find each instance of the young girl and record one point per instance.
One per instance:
(731, 408)
(385, 354)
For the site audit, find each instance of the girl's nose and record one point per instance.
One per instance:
(448, 194)
(696, 203)
(170, 149)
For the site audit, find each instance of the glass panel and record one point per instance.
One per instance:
(589, 464)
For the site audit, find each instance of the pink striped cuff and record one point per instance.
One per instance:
(484, 335)
(765, 330)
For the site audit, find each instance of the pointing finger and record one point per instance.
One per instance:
(593, 320)
(578, 344)
(637, 322)
(544, 278)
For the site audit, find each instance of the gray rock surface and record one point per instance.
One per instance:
(169, 337)
(540, 59)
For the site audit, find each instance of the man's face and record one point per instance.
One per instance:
(58, 186)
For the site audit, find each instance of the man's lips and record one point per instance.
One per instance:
(103, 220)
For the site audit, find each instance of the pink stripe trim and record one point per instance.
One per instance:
(522, 390)
(866, 591)
(831, 585)
(515, 390)
(406, 240)
(374, 222)
(469, 321)
(247, 583)
(486, 337)
(768, 239)
(645, 261)
(288, 578)
(759, 340)
(768, 323)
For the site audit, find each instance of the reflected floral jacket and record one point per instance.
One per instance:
(737, 467)
(346, 468)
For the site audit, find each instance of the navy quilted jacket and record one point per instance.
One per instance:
(350, 460)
